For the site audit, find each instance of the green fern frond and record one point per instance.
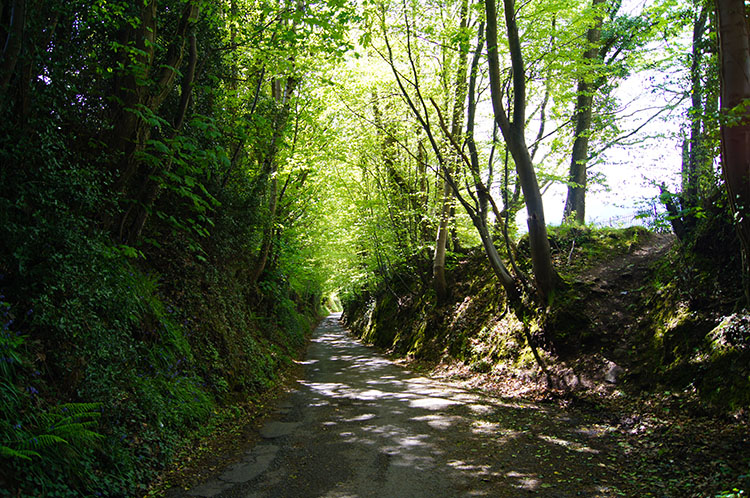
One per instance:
(6, 452)
(70, 415)
(85, 410)
(71, 426)
(78, 432)
(42, 441)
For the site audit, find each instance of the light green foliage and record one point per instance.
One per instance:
(138, 205)
(380, 130)
(117, 347)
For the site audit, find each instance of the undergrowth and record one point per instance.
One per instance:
(111, 355)
(680, 327)
(697, 334)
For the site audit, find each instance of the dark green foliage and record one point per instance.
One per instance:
(126, 238)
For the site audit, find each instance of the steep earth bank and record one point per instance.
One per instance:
(648, 332)
(635, 316)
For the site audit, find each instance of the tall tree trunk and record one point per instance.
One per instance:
(423, 195)
(696, 153)
(447, 210)
(575, 204)
(268, 233)
(734, 56)
(513, 133)
(400, 197)
(282, 96)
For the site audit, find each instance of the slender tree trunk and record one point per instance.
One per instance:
(398, 192)
(424, 193)
(734, 56)
(448, 210)
(513, 133)
(696, 153)
(439, 281)
(475, 212)
(575, 203)
(270, 167)
(268, 233)
(496, 262)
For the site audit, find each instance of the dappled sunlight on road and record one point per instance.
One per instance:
(358, 425)
(486, 446)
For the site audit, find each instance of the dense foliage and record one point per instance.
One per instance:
(184, 182)
(149, 270)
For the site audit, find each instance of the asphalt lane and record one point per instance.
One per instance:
(360, 426)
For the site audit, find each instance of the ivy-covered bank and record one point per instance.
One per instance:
(103, 383)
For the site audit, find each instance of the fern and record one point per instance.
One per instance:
(67, 425)
(78, 409)
(40, 442)
(73, 422)
(6, 452)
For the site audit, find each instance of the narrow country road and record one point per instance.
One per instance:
(360, 426)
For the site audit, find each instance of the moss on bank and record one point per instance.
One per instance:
(632, 316)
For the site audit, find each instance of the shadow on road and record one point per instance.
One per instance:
(359, 426)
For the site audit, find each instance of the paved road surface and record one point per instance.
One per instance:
(360, 426)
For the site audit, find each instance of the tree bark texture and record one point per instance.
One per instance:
(734, 56)
(575, 203)
(151, 189)
(513, 133)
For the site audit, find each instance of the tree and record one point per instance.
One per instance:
(478, 201)
(616, 45)
(447, 210)
(734, 57)
(136, 116)
(700, 145)
(575, 203)
(513, 129)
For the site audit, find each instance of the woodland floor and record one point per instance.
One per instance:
(355, 423)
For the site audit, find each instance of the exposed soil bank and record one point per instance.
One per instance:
(645, 338)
